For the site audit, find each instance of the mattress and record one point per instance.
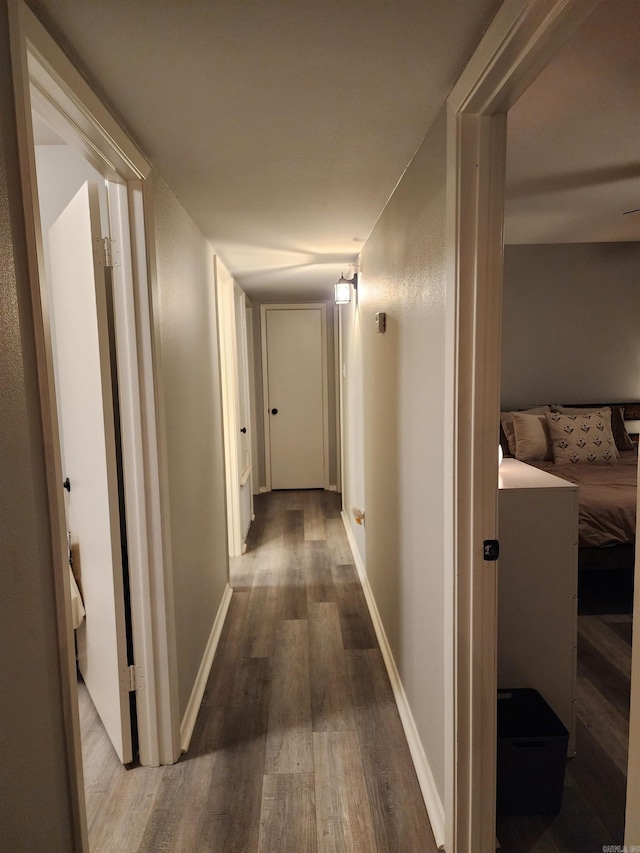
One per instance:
(607, 495)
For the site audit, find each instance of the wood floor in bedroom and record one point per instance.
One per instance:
(593, 803)
(298, 746)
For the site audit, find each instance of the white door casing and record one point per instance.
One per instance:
(228, 350)
(295, 395)
(86, 415)
(251, 364)
(45, 80)
(521, 40)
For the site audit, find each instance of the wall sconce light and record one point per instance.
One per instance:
(343, 289)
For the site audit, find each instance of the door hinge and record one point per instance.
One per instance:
(133, 679)
(491, 550)
(106, 253)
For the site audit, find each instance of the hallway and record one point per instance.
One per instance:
(298, 746)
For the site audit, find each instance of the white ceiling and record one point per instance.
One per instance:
(283, 127)
(573, 144)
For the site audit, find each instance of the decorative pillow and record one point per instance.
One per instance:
(599, 411)
(618, 429)
(533, 443)
(506, 422)
(581, 438)
(620, 435)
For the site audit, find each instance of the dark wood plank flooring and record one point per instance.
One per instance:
(593, 803)
(298, 747)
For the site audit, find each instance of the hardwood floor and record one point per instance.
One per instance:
(593, 803)
(298, 747)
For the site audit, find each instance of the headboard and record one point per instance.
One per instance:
(631, 419)
(631, 415)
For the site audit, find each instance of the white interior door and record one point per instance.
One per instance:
(85, 408)
(296, 390)
(244, 416)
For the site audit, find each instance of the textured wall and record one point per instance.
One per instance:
(404, 275)
(570, 323)
(35, 797)
(189, 375)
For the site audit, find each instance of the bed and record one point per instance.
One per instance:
(607, 492)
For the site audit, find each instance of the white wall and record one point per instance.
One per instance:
(571, 327)
(191, 413)
(35, 810)
(403, 412)
(61, 172)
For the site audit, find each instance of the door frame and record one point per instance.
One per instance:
(45, 80)
(337, 378)
(520, 42)
(288, 306)
(244, 394)
(228, 351)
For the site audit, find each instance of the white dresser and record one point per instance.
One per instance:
(538, 586)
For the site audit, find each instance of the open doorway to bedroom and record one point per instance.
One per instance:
(570, 356)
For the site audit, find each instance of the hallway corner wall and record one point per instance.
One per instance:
(403, 422)
(36, 810)
(189, 374)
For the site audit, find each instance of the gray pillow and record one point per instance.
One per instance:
(506, 422)
(533, 443)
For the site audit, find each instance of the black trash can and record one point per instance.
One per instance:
(532, 753)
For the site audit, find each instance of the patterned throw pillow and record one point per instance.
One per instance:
(581, 438)
(615, 413)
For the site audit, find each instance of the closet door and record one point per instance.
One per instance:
(84, 394)
(295, 393)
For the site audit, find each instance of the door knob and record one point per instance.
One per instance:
(274, 411)
(67, 485)
(244, 429)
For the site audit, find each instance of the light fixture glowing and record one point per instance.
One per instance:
(343, 289)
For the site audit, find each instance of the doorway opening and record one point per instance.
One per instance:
(46, 84)
(76, 225)
(518, 46)
(237, 380)
(571, 260)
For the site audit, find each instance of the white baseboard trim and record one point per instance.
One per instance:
(264, 490)
(432, 800)
(195, 700)
(333, 488)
